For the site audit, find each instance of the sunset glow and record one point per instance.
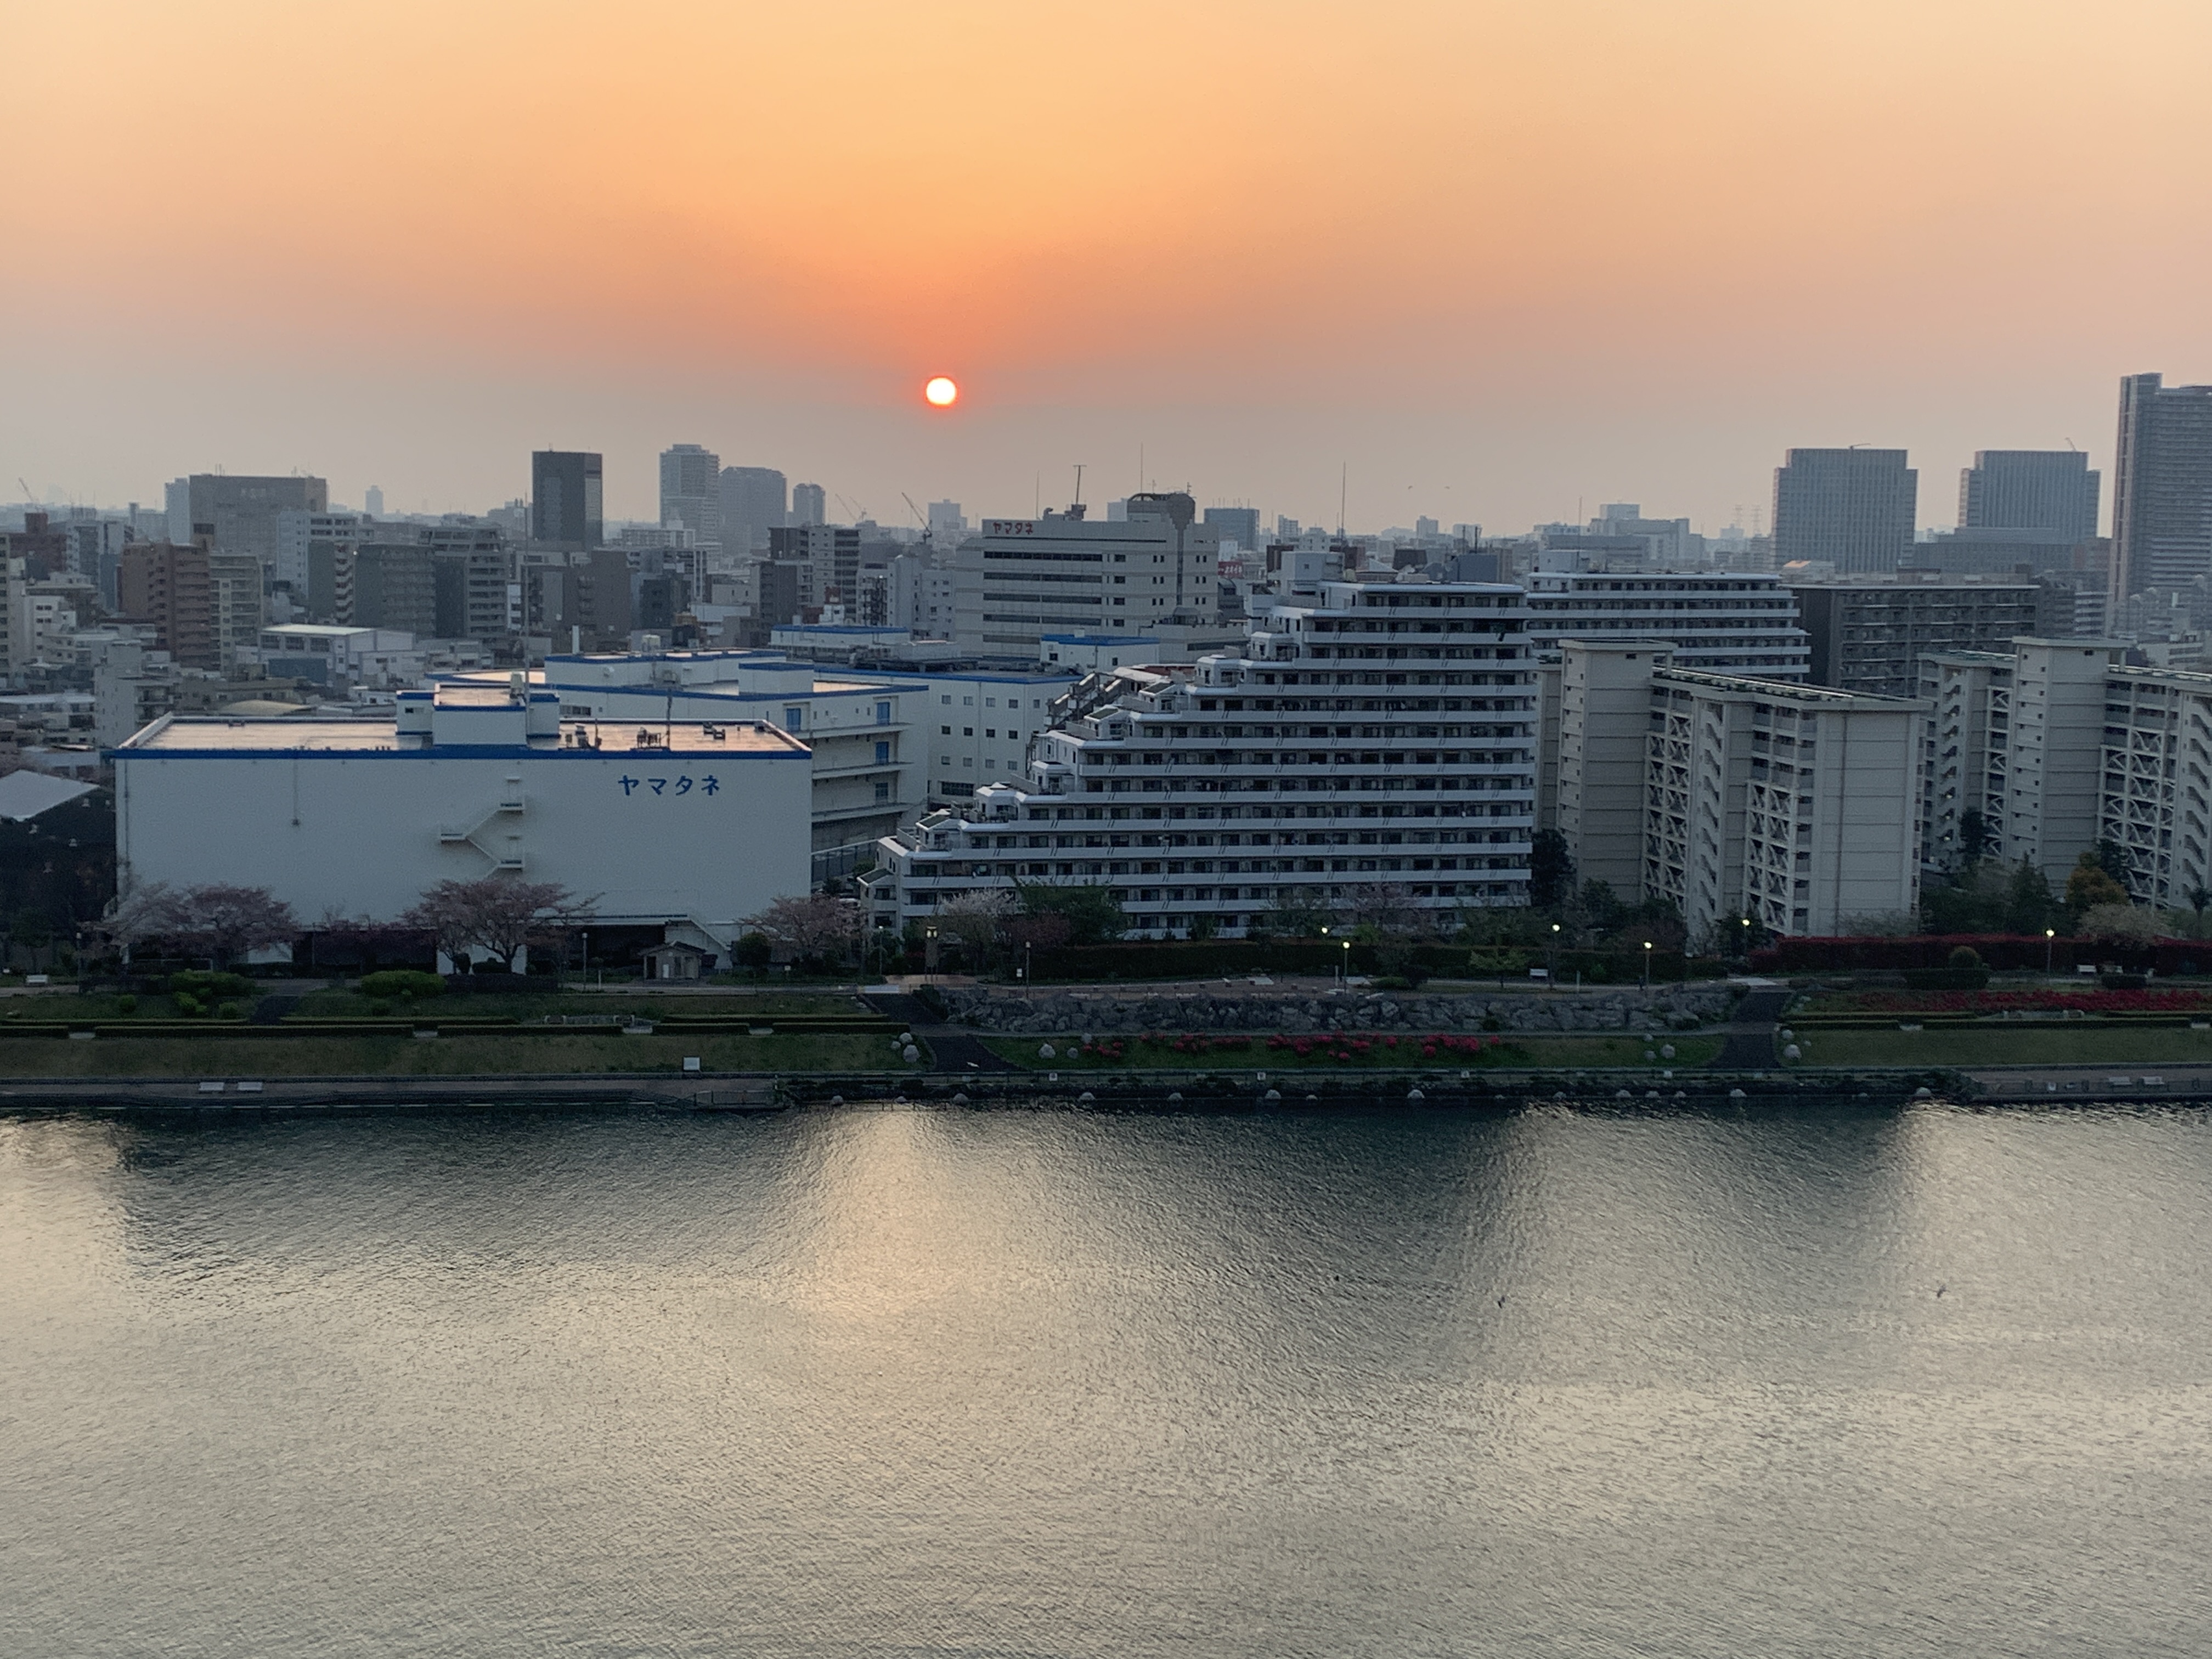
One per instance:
(941, 391)
(1532, 254)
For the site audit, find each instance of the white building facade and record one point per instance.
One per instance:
(1719, 622)
(1377, 737)
(695, 823)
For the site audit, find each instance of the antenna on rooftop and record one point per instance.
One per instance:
(1079, 483)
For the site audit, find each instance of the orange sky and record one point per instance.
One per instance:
(1495, 257)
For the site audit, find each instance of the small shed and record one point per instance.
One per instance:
(676, 960)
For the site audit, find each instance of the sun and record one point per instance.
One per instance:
(943, 392)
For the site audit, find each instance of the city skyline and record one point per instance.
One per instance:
(1761, 231)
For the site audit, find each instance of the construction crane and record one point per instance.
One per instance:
(920, 517)
(859, 512)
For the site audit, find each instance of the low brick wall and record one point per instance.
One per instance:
(1046, 1012)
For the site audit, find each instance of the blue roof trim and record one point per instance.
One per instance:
(467, 751)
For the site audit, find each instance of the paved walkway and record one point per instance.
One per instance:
(1747, 1042)
(952, 1048)
(696, 1092)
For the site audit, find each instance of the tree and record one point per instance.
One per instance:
(218, 921)
(1092, 909)
(1297, 913)
(2028, 903)
(2091, 884)
(1973, 836)
(815, 929)
(2113, 860)
(1551, 871)
(1045, 933)
(2118, 924)
(495, 913)
(753, 949)
(2199, 896)
(977, 918)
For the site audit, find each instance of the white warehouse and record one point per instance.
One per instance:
(654, 822)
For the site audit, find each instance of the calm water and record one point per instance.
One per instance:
(1010, 1385)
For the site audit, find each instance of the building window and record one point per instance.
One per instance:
(882, 754)
(793, 717)
(883, 713)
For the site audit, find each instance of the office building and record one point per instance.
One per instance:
(1868, 634)
(691, 490)
(828, 556)
(298, 531)
(1851, 509)
(394, 586)
(2161, 487)
(1240, 525)
(947, 525)
(1792, 805)
(1374, 745)
(2028, 494)
(469, 567)
(241, 514)
(1025, 578)
(810, 504)
(690, 826)
(567, 499)
(204, 606)
(753, 503)
(1720, 622)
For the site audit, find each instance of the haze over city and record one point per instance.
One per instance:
(1482, 263)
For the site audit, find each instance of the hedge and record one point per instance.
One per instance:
(2013, 952)
(1216, 958)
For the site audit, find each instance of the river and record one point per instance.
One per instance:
(1564, 1381)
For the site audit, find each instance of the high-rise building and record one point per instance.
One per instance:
(1025, 578)
(240, 513)
(753, 503)
(205, 606)
(567, 498)
(810, 504)
(2029, 495)
(1240, 525)
(372, 501)
(469, 569)
(947, 525)
(1722, 622)
(296, 531)
(1869, 633)
(691, 490)
(1851, 509)
(2161, 486)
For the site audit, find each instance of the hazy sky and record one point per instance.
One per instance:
(1496, 258)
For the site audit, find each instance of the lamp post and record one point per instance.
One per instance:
(2050, 943)
(1347, 960)
(929, 948)
(1551, 972)
(1647, 964)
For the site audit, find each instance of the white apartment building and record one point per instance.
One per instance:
(2063, 746)
(693, 825)
(1719, 622)
(1376, 736)
(1064, 573)
(1792, 805)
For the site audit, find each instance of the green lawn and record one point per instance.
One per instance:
(2081, 1045)
(1559, 1052)
(402, 1056)
(535, 1006)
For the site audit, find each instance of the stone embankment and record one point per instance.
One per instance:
(1051, 1013)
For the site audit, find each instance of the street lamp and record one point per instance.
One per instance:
(1347, 960)
(1552, 973)
(929, 948)
(2050, 943)
(1647, 964)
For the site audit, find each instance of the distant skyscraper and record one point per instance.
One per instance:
(2050, 492)
(1240, 525)
(947, 524)
(1853, 509)
(567, 498)
(810, 504)
(691, 490)
(239, 512)
(753, 503)
(372, 501)
(2161, 486)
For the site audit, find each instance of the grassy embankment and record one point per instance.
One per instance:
(2080, 1044)
(1564, 1053)
(457, 1056)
